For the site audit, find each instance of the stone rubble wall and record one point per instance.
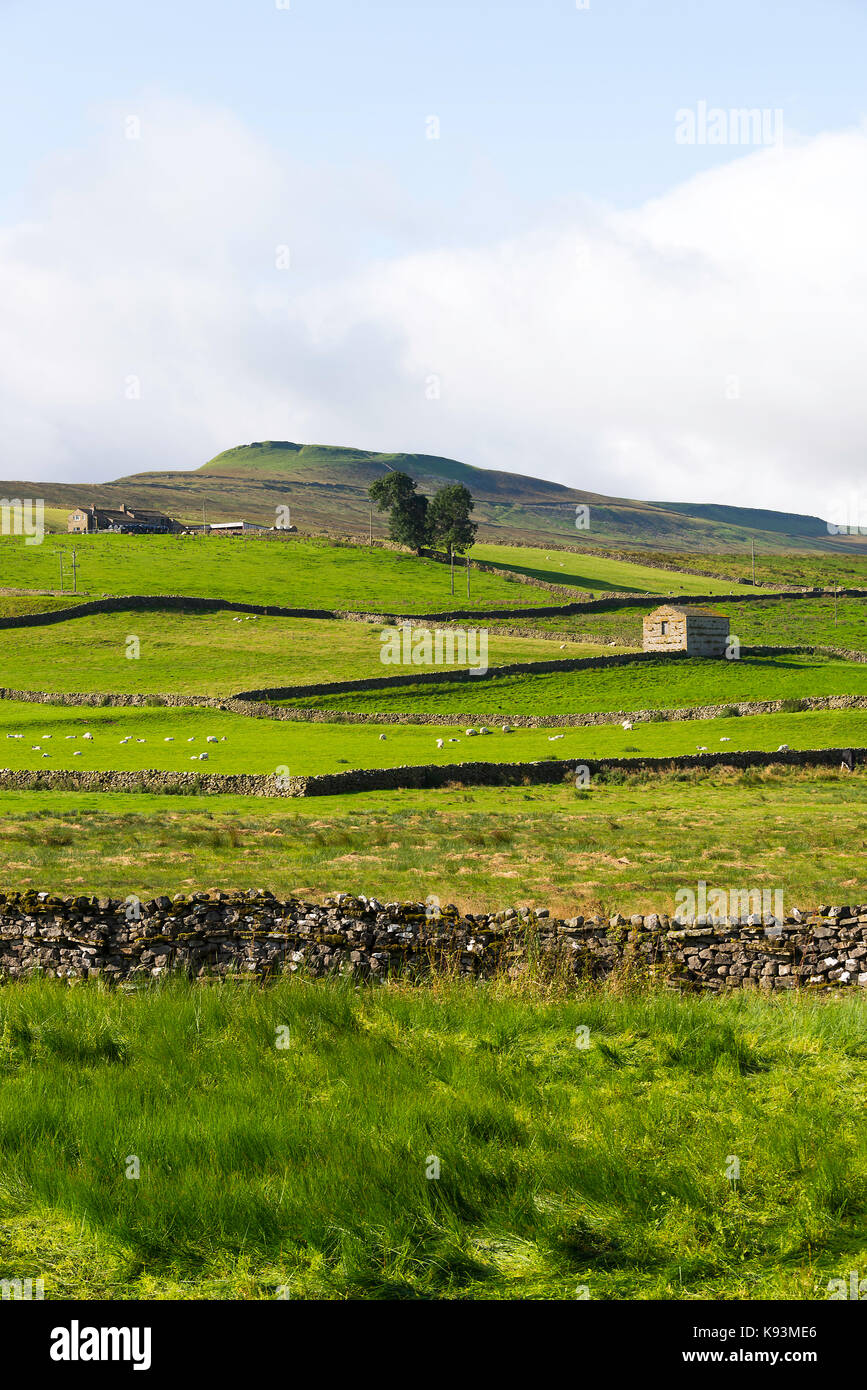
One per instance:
(257, 936)
(549, 771)
(121, 603)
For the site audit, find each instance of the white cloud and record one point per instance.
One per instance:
(706, 346)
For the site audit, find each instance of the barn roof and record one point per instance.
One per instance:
(687, 611)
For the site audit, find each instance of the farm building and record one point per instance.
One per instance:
(87, 520)
(696, 631)
(234, 528)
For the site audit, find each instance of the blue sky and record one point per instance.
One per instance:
(554, 122)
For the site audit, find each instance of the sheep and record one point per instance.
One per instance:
(127, 739)
(725, 739)
(46, 755)
(203, 757)
(626, 723)
(562, 646)
(783, 748)
(210, 738)
(552, 738)
(507, 729)
(223, 738)
(191, 739)
(35, 747)
(453, 740)
(45, 737)
(168, 739)
(140, 740)
(701, 748)
(439, 743)
(87, 735)
(76, 753)
(469, 732)
(382, 738)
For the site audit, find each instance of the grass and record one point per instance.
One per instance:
(628, 844)
(263, 745)
(215, 654)
(661, 684)
(291, 572)
(305, 1168)
(810, 569)
(595, 572)
(778, 621)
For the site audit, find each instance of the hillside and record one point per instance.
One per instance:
(326, 489)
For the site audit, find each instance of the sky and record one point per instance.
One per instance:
(532, 236)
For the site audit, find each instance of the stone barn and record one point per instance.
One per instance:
(696, 631)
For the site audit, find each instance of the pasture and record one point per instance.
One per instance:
(217, 653)
(659, 684)
(285, 570)
(625, 844)
(130, 738)
(595, 572)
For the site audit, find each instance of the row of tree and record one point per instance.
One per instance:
(419, 521)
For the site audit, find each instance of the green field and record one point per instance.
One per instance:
(658, 684)
(596, 572)
(810, 622)
(810, 569)
(217, 653)
(263, 745)
(302, 1171)
(291, 572)
(626, 845)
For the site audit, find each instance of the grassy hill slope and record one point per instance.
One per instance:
(326, 489)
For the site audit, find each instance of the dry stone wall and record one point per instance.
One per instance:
(257, 936)
(549, 771)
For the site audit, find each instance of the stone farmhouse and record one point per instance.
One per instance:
(123, 519)
(696, 631)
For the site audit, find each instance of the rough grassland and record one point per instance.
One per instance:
(597, 573)
(214, 654)
(303, 1169)
(658, 684)
(288, 571)
(627, 846)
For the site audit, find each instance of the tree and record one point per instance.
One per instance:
(395, 493)
(449, 523)
(448, 518)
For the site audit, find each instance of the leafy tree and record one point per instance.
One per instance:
(396, 494)
(448, 517)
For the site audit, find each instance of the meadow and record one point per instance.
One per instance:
(597, 573)
(646, 685)
(53, 738)
(218, 653)
(305, 1171)
(284, 570)
(779, 621)
(624, 844)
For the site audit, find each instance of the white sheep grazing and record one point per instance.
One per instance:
(223, 739)
(439, 743)
(35, 747)
(702, 748)
(191, 739)
(203, 757)
(46, 737)
(507, 729)
(211, 738)
(725, 739)
(453, 740)
(76, 753)
(87, 735)
(140, 740)
(46, 755)
(470, 733)
(382, 738)
(626, 724)
(552, 738)
(168, 739)
(783, 748)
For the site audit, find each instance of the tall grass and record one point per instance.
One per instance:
(307, 1166)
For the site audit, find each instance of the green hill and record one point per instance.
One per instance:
(325, 488)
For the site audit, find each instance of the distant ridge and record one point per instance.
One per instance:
(325, 487)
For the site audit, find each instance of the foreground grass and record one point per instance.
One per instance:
(302, 1169)
(661, 684)
(627, 846)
